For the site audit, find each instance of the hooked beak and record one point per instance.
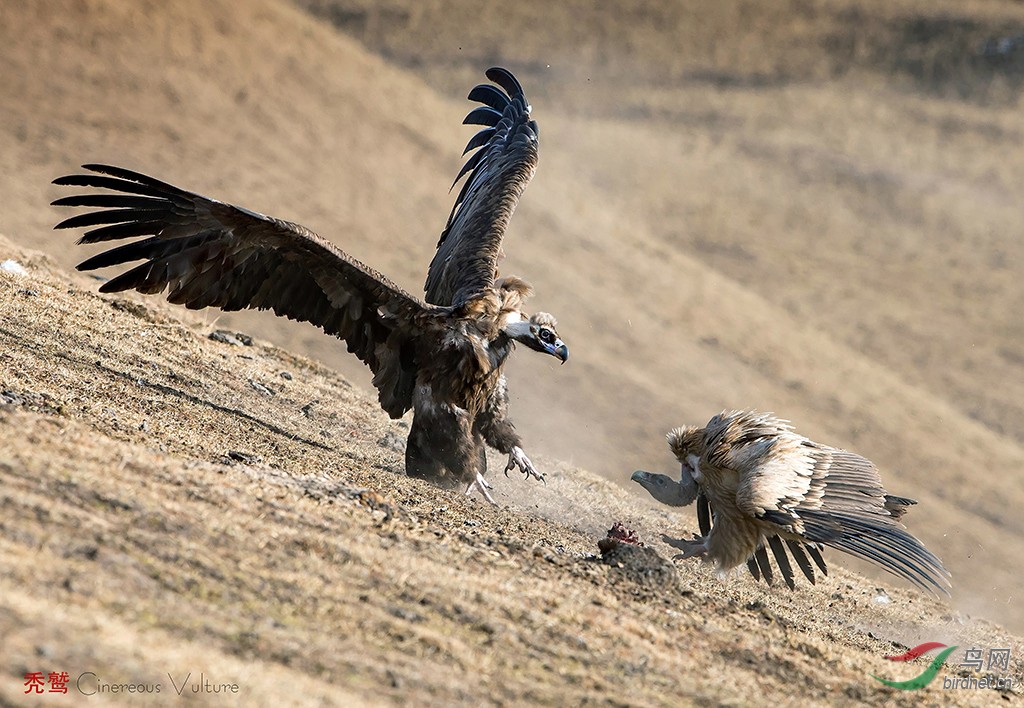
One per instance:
(525, 333)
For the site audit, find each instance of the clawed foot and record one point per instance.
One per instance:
(483, 485)
(518, 458)
(691, 548)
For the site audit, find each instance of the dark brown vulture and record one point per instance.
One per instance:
(443, 358)
(758, 484)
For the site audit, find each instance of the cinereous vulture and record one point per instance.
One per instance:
(443, 356)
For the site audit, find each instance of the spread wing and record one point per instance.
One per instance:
(208, 253)
(834, 497)
(506, 158)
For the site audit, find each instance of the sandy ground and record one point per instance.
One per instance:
(810, 207)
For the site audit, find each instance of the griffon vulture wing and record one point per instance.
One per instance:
(208, 253)
(835, 497)
(467, 253)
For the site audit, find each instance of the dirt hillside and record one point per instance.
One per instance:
(175, 506)
(734, 208)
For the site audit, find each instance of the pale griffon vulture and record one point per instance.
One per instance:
(758, 484)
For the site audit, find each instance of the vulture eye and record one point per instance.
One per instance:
(546, 336)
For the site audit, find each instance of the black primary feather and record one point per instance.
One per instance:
(489, 96)
(493, 178)
(801, 559)
(783, 560)
(484, 115)
(505, 79)
(478, 140)
(814, 551)
(703, 514)
(761, 556)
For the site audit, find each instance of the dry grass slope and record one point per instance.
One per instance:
(174, 504)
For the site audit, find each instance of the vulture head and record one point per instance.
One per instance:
(667, 490)
(687, 445)
(538, 333)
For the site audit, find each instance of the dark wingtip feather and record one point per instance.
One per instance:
(125, 281)
(815, 553)
(504, 78)
(482, 115)
(119, 172)
(133, 251)
(108, 201)
(779, 551)
(801, 559)
(65, 180)
(98, 167)
(117, 184)
(132, 176)
(72, 201)
(703, 514)
(115, 232)
(479, 139)
(489, 95)
(764, 564)
(71, 180)
(105, 216)
(889, 545)
(470, 165)
(66, 224)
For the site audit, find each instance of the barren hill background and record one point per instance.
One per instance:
(806, 207)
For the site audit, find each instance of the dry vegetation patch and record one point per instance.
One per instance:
(163, 515)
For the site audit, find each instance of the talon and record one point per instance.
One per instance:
(518, 458)
(483, 485)
(692, 553)
(691, 548)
